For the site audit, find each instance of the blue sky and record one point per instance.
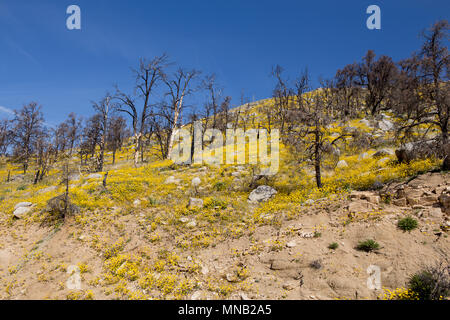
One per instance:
(239, 40)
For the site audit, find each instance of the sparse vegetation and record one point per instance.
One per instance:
(368, 245)
(407, 224)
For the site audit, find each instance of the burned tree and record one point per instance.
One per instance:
(179, 87)
(104, 109)
(421, 96)
(117, 132)
(376, 76)
(27, 127)
(147, 76)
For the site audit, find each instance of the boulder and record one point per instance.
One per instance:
(385, 125)
(415, 150)
(23, 205)
(21, 211)
(94, 176)
(262, 193)
(195, 203)
(444, 200)
(342, 164)
(383, 153)
(172, 180)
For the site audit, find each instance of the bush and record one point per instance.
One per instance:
(219, 186)
(368, 245)
(432, 283)
(333, 246)
(407, 224)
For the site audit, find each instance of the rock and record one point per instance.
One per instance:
(444, 200)
(48, 189)
(288, 287)
(385, 125)
(184, 220)
(74, 177)
(309, 202)
(172, 180)
(342, 164)
(363, 156)
(58, 207)
(197, 295)
(435, 212)
(411, 151)
(261, 194)
(195, 203)
(136, 203)
(231, 277)
(236, 174)
(377, 185)
(279, 264)
(22, 205)
(291, 244)
(383, 153)
(400, 202)
(429, 200)
(21, 211)
(360, 206)
(191, 224)
(196, 182)
(94, 176)
(306, 234)
(243, 296)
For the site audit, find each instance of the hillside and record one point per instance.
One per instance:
(156, 232)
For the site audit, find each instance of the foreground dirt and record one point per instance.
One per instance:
(283, 259)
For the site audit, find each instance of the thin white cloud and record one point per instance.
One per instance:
(6, 110)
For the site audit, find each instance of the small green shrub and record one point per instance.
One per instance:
(407, 224)
(317, 234)
(333, 246)
(219, 186)
(368, 245)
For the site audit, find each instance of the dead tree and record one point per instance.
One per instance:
(147, 76)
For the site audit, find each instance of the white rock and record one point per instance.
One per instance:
(291, 244)
(385, 125)
(184, 220)
(21, 211)
(23, 204)
(196, 182)
(171, 180)
(95, 176)
(137, 203)
(195, 203)
(191, 224)
(363, 156)
(342, 164)
(262, 193)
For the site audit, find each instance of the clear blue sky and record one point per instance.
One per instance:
(239, 40)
